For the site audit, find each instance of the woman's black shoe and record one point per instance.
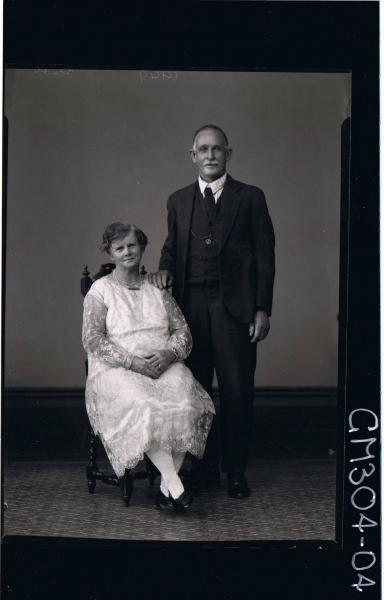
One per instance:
(162, 502)
(182, 503)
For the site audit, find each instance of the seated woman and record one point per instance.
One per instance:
(140, 397)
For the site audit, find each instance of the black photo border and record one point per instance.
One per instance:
(235, 36)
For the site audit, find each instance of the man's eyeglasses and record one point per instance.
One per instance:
(206, 149)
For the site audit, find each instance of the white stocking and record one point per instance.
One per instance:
(169, 478)
(178, 459)
(163, 487)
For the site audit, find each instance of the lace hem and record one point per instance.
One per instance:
(194, 444)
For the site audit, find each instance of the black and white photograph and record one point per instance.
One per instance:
(212, 327)
(180, 369)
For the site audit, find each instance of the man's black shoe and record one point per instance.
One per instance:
(238, 486)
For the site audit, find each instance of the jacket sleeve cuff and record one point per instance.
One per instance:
(265, 309)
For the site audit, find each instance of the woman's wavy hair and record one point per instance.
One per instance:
(116, 231)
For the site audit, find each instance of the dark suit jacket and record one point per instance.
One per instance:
(247, 259)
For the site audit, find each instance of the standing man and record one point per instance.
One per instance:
(219, 258)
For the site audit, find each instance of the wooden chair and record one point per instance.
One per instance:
(93, 473)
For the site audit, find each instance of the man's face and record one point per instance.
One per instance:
(210, 154)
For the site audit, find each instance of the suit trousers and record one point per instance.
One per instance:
(222, 344)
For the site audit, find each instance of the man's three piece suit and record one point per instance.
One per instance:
(221, 256)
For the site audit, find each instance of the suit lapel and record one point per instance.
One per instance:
(230, 199)
(185, 220)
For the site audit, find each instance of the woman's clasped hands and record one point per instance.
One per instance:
(154, 364)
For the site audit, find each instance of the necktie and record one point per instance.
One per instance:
(211, 205)
(208, 194)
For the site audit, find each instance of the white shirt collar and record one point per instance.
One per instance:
(216, 186)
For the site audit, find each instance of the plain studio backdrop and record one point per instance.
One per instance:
(89, 147)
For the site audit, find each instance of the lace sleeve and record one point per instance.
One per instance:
(180, 341)
(95, 337)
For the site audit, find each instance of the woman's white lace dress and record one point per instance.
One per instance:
(129, 411)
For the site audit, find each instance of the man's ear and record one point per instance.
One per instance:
(228, 153)
(192, 154)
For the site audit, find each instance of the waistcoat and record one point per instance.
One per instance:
(204, 241)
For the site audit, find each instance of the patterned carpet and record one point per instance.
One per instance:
(291, 499)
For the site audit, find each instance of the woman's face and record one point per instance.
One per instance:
(126, 252)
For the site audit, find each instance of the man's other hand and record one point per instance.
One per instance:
(258, 330)
(161, 279)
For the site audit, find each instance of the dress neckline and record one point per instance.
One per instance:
(127, 286)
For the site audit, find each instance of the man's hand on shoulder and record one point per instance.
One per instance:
(258, 330)
(162, 279)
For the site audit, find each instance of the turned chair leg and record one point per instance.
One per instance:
(126, 486)
(92, 467)
(91, 479)
(152, 471)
